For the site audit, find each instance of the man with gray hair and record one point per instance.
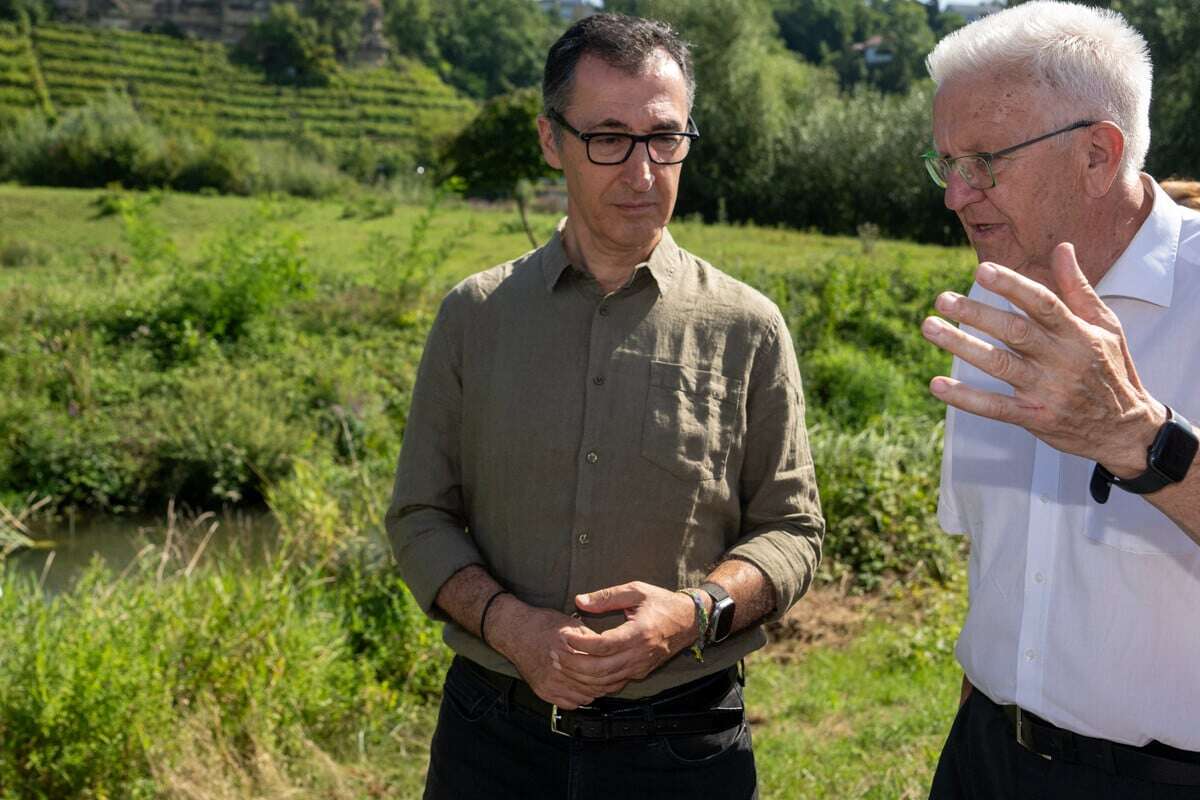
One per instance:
(1068, 455)
(605, 485)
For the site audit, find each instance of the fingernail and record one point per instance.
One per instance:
(938, 386)
(946, 301)
(986, 273)
(583, 598)
(931, 327)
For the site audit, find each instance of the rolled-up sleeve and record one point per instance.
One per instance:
(426, 521)
(782, 526)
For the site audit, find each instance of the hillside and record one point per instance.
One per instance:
(191, 82)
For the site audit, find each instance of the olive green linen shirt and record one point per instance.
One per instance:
(569, 440)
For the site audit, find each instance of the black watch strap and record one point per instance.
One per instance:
(1167, 461)
(721, 622)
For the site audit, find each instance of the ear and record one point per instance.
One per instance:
(549, 145)
(1106, 148)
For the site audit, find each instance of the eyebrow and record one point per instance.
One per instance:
(665, 125)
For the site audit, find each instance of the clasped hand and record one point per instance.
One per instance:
(1074, 382)
(568, 664)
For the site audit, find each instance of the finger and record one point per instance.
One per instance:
(611, 598)
(985, 404)
(624, 637)
(1076, 291)
(999, 362)
(1015, 330)
(1041, 304)
(590, 671)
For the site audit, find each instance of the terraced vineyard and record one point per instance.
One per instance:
(172, 80)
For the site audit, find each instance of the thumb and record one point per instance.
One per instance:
(612, 598)
(1076, 291)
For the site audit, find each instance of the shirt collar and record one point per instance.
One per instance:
(663, 263)
(1146, 269)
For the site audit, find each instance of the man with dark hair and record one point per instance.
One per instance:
(605, 485)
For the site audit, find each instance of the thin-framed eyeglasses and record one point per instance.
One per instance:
(976, 168)
(609, 148)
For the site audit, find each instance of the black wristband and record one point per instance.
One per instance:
(483, 617)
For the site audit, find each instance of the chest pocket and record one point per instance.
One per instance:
(1128, 522)
(689, 424)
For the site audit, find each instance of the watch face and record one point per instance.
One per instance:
(1173, 451)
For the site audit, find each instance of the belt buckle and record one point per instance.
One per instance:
(1021, 740)
(555, 716)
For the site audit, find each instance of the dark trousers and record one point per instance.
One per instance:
(487, 747)
(982, 760)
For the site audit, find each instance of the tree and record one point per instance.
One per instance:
(500, 146)
(339, 23)
(750, 92)
(816, 28)
(484, 47)
(33, 10)
(905, 27)
(288, 47)
(412, 29)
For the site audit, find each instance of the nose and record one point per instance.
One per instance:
(639, 170)
(957, 194)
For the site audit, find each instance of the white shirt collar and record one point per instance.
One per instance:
(1146, 270)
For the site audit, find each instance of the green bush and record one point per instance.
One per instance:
(281, 169)
(879, 496)
(108, 143)
(249, 272)
(23, 253)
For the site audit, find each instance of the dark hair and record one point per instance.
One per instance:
(622, 42)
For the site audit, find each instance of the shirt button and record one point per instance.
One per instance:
(592, 457)
(604, 311)
(584, 538)
(1039, 577)
(598, 380)
(1045, 498)
(1031, 654)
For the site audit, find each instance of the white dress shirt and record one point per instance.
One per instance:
(1087, 615)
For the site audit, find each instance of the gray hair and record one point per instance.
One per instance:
(626, 43)
(1089, 56)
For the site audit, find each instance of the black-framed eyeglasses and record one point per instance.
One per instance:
(608, 148)
(976, 168)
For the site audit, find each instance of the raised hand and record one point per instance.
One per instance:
(1074, 383)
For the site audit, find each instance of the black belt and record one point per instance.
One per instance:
(663, 714)
(1156, 762)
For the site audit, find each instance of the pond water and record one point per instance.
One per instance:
(67, 546)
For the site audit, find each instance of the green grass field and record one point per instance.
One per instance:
(259, 353)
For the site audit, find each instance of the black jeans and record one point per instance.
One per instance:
(485, 747)
(982, 760)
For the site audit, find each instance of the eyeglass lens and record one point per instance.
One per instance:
(664, 149)
(972, 169)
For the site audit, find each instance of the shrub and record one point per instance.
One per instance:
(23, 253)
(108, 143)
(879, 496)
(286, 170)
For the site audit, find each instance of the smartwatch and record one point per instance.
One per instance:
(720, 621)
(1167, 460)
